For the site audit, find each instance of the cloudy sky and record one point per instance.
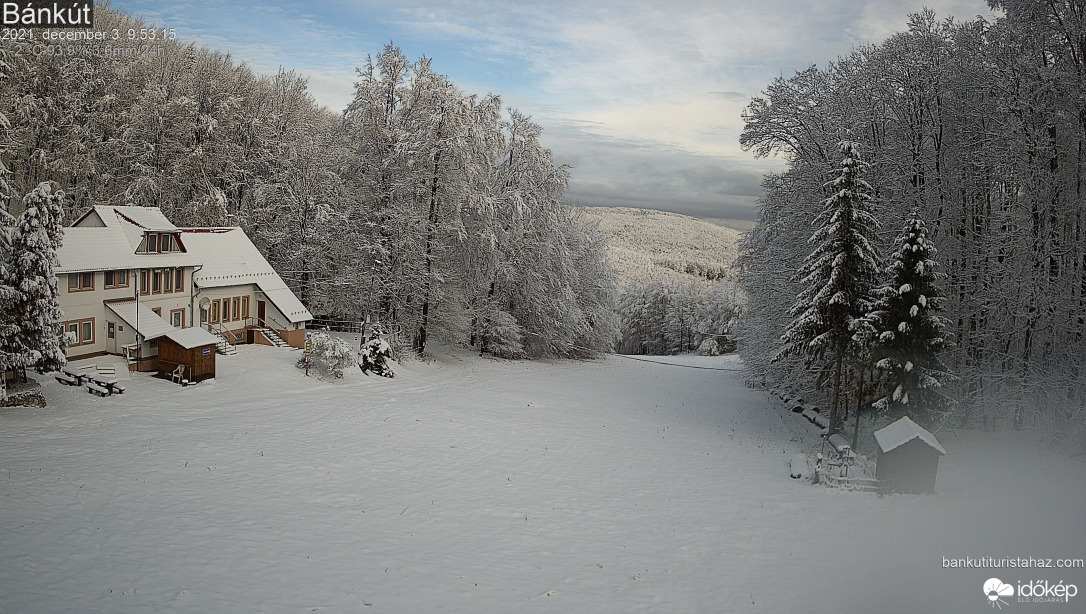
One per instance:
(641, 98)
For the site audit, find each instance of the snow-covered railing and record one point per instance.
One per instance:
(847, 469)
(860, 483)
(339, 326)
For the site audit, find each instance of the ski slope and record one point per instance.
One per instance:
(474, 485)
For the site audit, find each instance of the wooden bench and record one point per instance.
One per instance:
(94, 388)
(66, 379)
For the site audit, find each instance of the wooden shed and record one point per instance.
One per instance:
(192, 347)
(908, 458)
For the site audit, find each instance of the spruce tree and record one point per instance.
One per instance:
(838, 277)
(910, 334)
(9, 323)
(31, 275)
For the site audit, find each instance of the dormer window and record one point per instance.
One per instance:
(160, 242)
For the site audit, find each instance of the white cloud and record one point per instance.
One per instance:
(616, 84)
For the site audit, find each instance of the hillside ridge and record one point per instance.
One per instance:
(653, 243)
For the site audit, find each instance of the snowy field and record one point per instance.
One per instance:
(475, 485)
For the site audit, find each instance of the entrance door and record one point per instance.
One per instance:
(111, 337)
(261, 312)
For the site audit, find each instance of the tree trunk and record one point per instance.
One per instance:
(420, 337)
(836, 395)
(859, 404)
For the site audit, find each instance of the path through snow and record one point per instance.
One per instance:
(475, 485)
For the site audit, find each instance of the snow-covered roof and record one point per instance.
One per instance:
(189, 338)
(107, 237)
(229, 258)
(104, 249)
(284, 300)
(902, 432)
(148, 218)
(133, 221)
(150, 324)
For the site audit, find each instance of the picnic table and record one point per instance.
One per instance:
(72, 376)
(100, 384)
(107, 383)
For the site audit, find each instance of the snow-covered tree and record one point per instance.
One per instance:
(328, 355)
(418, 206)
(31, 275)
(669, 316)
(375, 356)
(979, 126)
(838, 277)
(9, 323)
(910, 334)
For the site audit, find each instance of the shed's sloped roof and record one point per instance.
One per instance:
(189, 338)
(902, 432)
(229, 259)
(140, 317)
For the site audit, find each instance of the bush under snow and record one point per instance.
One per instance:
(328, 355)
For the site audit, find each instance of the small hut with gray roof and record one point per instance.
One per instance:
(908, 458)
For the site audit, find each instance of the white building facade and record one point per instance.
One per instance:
(128, 270)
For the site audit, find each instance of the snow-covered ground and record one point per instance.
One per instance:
(475, 485)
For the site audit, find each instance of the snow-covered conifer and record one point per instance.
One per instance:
(910, 335)
(839, 275)
(31, 275)
(9, 323)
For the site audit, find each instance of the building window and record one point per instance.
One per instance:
(80, 332)
(152, 242)
(156, 282)
(236, 308)
(145, 276)
(225, 310)
(214, 312)
(244, 308)
(164, 244)
(116, 279)
(167, 280)
(177, 318)
(179, 279)
(80, 282)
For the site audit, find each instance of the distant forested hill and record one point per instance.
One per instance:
(648, 243)
(677, 287)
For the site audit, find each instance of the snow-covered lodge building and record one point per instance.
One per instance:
(125, 270)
